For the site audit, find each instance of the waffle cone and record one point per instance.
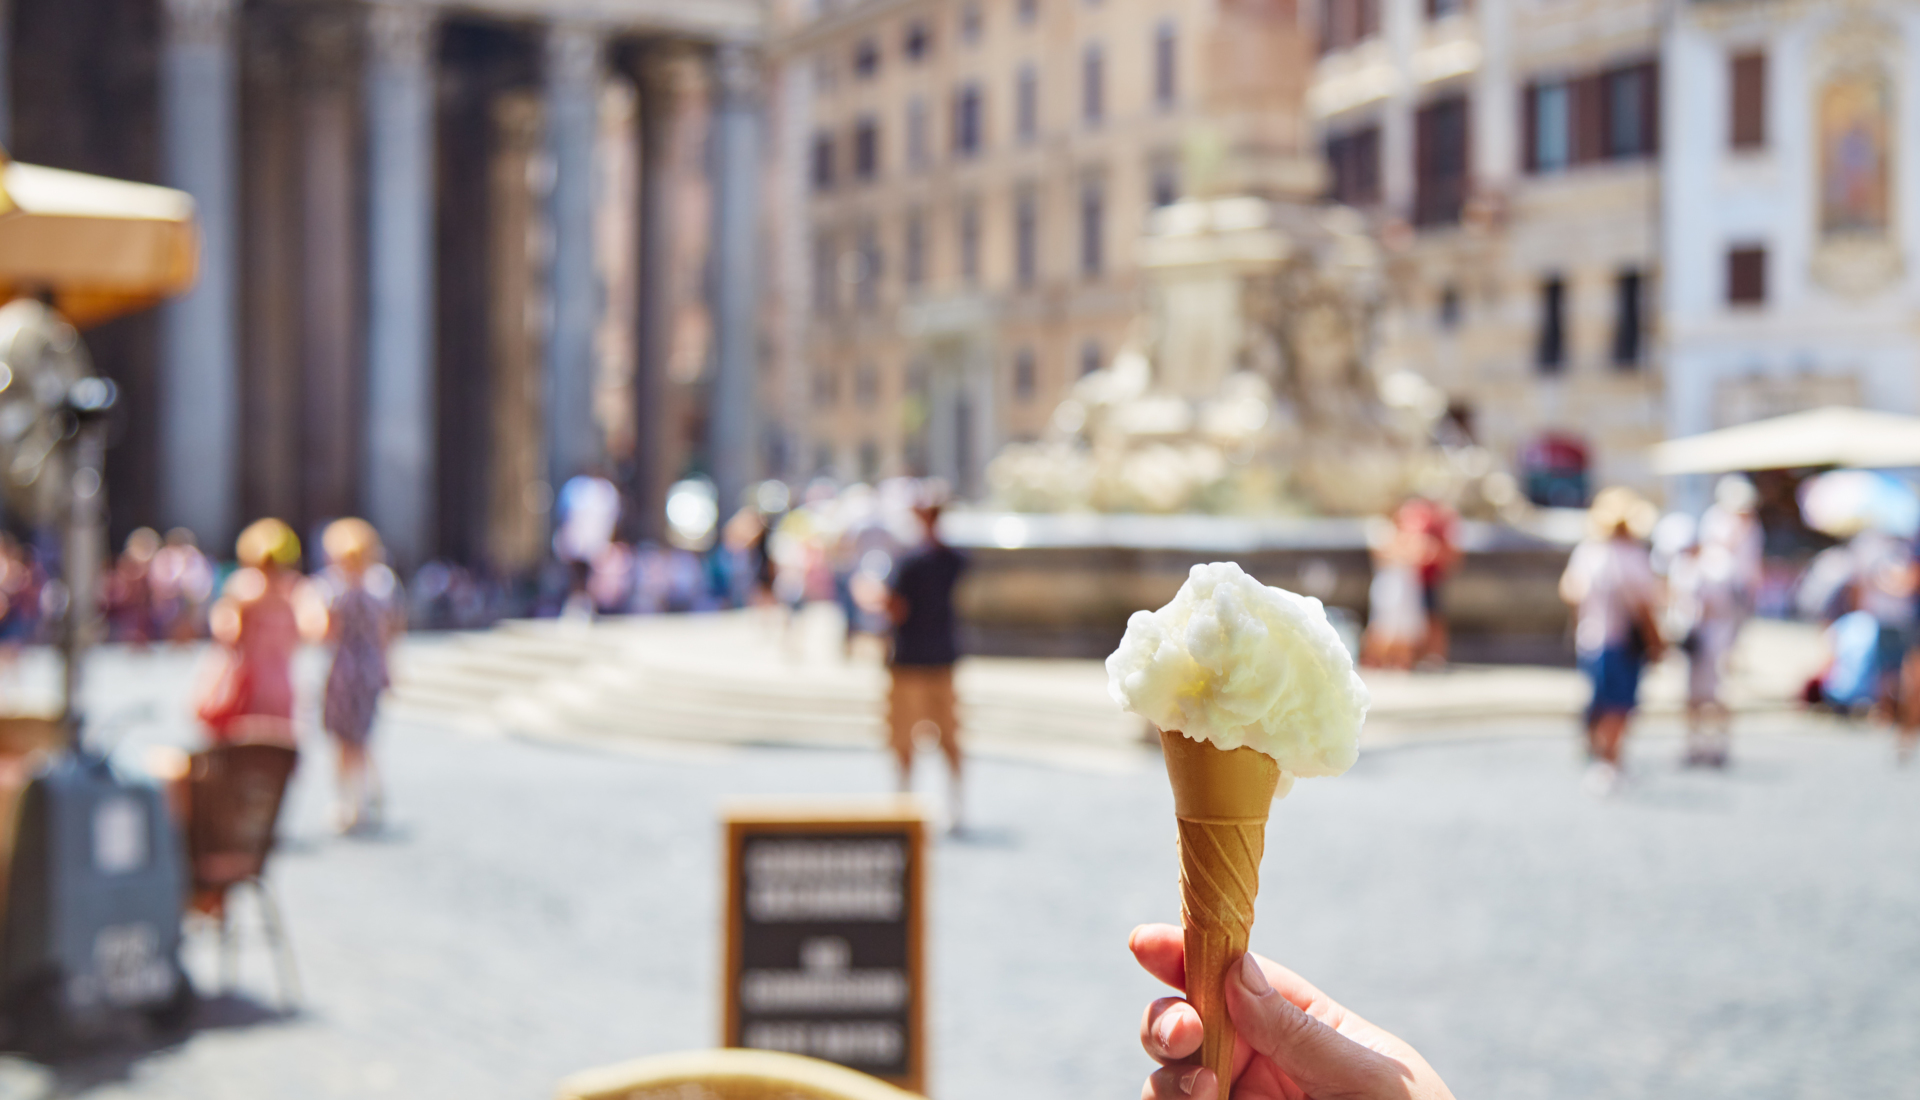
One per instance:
(1221, 798)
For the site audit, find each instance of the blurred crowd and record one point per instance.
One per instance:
(1642, 585)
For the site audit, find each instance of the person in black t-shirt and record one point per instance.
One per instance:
(920, 699)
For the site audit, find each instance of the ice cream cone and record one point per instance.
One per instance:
(1221, 798)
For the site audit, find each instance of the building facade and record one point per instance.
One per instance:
(1508, 153)
(964, 186)
(452, 254)
(1790, 237)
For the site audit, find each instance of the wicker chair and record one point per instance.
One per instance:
(233, 804)
(728, 1075)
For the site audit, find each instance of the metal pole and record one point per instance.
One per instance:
(81, 458)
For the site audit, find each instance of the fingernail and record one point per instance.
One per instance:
(1253, 977)
(1163, 1031)
(1189, 1079)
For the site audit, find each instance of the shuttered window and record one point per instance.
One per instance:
(1550, 350)
(1440, 162)
(1355, 162)
(1747, 101)
(1747, 276)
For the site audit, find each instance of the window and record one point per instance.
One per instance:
(1089, 357)
(1629, 112)
(1747, 101)
(821, 167)
(967, 120)
(1027, 103)
(1027, 11)
(917, 42)
(971, 22)
(1627, 290)
(866, 149)
(1614, 115)
(1093, 217)
(1092, 79)
(914, 267)
(1549, 146)
(1450, 307)
(1345, 23)
(1026, 238)
(866, 386)
(871, 266)
(1440, 9)
(970, 243)
(1165, 184)
(1747, 276)
(826, 275)
(917, 144)
(1355, 162)
(1440, 162)
(1550, 354)
(1023, 380)
(866, 59)
(1164, 54)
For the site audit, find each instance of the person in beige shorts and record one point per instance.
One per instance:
(920, 699)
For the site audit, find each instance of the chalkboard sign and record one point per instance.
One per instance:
(824, 913)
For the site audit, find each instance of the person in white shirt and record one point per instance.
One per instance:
(1610, 582)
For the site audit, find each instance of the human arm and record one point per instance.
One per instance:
(1294, 1042)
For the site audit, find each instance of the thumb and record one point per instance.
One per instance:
(1315, 1056)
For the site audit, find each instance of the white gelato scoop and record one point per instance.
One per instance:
(1236, 662)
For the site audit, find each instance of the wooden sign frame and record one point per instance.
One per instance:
(901, 815)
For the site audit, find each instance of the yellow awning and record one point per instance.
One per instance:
(1833, 436)
(97, 247)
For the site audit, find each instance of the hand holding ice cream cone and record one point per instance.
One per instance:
(1250, 686)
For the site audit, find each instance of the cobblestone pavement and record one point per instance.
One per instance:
(537, 908)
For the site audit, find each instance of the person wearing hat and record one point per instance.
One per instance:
(1610, 582)
(251, 695)
(356, 612)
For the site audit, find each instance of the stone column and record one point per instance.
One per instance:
(6, 73)
(574, 441)
(398, 481)
(198, 384)
(330, 289)
(732, 453)
(654, 342)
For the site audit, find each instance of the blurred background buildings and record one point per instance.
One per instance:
(452, 256)
(973, 179)
(456, 255)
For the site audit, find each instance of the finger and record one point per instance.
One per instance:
(1180, 1083)
(1162, 950)
(1303, 1047)
(1170, 1030)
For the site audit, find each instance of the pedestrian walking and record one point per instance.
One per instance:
(1706, 605)
(920, 700)
(249, 697)
(1396, 611)
(128, 591)
(360, 617)
(1609, 580)
(1436, 552)
(181, 581)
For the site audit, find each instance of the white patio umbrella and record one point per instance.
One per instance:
(1832, 436)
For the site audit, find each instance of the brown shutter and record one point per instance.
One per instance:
(1650, 109)
(1588, 122)
(1747, 123)
(1530, 127)
(1747, 276)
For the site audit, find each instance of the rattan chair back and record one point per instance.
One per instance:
(728, 1075)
